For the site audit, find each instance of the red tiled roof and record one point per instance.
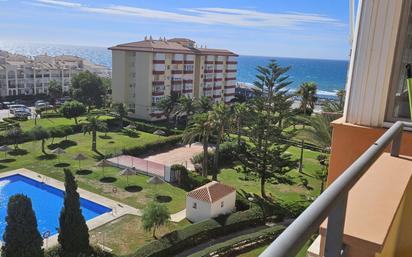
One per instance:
(211, 192)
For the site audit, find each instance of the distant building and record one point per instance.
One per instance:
(23, 75)
(209, 201)
(145, 72)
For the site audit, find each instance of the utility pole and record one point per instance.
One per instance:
(301, 156)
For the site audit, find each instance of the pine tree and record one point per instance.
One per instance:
(73, 232)
(21, 237)
(265, 155)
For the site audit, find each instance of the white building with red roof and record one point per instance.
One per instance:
(209, 201)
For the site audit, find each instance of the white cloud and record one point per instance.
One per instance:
(209, 16)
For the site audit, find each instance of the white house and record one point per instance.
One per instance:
(209, 201)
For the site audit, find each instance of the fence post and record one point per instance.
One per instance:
(335, 229)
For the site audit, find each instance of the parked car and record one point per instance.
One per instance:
(22, 113)
(14, 107)
(6, 105)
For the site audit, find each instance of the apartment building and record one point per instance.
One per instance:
(368, 199)
(146, 71)
(22, 75)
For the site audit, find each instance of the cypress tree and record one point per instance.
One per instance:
(21, 237)
(73, 232)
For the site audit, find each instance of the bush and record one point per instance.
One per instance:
(130, 132)
(226, 155)
(150, 128)
(182, 239)
(48, 115)
(160, 145)
(189, 180)
(242, 244)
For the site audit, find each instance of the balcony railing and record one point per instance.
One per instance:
(331, 203)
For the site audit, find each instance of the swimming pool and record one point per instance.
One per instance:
(47, 202)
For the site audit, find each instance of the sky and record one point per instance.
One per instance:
(278, 28)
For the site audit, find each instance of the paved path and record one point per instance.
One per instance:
(178, 216)
(218, 240)
(180, 155)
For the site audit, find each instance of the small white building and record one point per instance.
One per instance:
(209, 201)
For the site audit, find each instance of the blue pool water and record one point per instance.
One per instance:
(47, 202)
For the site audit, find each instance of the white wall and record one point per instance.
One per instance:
(206, 210)
(229, 203)
(371, 65)
(201, 212)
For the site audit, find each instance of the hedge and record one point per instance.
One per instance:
(242, 244)
(48, 115)
(197, 233)
(150, 128)
(162, 144)
(189, 180)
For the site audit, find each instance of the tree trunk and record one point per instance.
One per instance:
(121, 122)
(154, 232)
(216, 157)
(262, 186)
(205, 158)
(94, 148)
(42, 146)
(238, 132)
(75, 121)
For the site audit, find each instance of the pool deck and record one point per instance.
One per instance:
(118, 209)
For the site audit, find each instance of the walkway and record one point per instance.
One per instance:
(178, 216)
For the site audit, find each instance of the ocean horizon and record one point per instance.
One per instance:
(329, 75)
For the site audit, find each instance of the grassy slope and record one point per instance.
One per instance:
(126, 234)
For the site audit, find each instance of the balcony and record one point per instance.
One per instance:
(158, 83)
(228, 79)
(158, 93)
(177, 72)
(158, 72)
(177, 61)
(158, 61)
(367, 206)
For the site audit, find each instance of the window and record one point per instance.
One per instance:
(222, 204)
(398, 102)
(194, 205)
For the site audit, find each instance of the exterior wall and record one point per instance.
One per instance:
(372, 60)
(143, 81)
(228, 205)
(350, 141)
(202, 211)
(119, 76)
(207, 210)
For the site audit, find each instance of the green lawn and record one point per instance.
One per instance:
(286, 192)
(126, 234)
(34, 160)
(52, 122)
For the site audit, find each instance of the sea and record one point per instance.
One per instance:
(329, 75)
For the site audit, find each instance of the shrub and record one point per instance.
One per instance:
(21, 237)
(160, 145)
(189, 180)
(242, 244)
(150, 128)
(73, 232)
(130, 132)
(48, 115)
(182, 239)
(226, 155)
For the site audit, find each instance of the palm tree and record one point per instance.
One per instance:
(200, 127)
(185, 107)
(121, 111)
(168, 104)
(219, 117)
(204, 104)
(341, 97)
(320, 130)
(239, 111)
(307, 92)
(92, 126)
(40, 133)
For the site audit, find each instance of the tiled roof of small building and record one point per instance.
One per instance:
(211, 192)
